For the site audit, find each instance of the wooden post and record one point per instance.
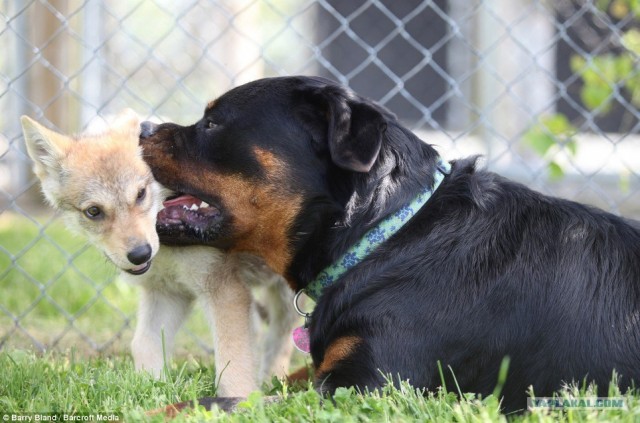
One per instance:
(47, 77)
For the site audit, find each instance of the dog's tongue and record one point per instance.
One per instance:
(183, 200)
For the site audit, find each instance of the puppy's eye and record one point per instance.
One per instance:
(211, 125)
(93, 212)
(141, 194)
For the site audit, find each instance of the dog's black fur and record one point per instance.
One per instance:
(488, 269)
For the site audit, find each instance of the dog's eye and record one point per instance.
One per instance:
(141, 194)
(93, 212)
(211, 125)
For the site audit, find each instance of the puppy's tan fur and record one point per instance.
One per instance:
(106, 171)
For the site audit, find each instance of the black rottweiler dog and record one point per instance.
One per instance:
(311, 176)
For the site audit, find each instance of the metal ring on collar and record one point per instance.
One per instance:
(295, 305)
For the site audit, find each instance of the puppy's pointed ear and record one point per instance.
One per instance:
(45, 147)
(355, 126)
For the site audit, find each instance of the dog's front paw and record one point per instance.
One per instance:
(147, 359)
(239, 388)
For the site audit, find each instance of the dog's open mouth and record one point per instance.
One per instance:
(188, 220)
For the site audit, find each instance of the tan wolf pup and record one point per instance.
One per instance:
(103, 189)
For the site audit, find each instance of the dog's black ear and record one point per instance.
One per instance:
(354, 126)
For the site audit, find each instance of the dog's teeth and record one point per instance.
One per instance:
(203, 205)
(193, 207)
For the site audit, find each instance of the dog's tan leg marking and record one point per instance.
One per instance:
(303, 374)
(160, 314)
(229, 306)
(338, 351)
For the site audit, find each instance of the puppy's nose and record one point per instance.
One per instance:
(147, 129)
(140, 254)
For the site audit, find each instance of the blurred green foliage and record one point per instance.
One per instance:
(605, 78)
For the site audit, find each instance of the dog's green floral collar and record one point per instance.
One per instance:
(358, 252)
(374, 237)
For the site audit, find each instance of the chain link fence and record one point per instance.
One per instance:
(546, 91)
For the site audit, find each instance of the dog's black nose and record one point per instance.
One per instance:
(147, 129)
(140, 254)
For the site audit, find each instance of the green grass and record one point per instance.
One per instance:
(44, 271)
(74, 384)
(66, 383)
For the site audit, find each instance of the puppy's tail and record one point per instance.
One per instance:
(226, 404)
